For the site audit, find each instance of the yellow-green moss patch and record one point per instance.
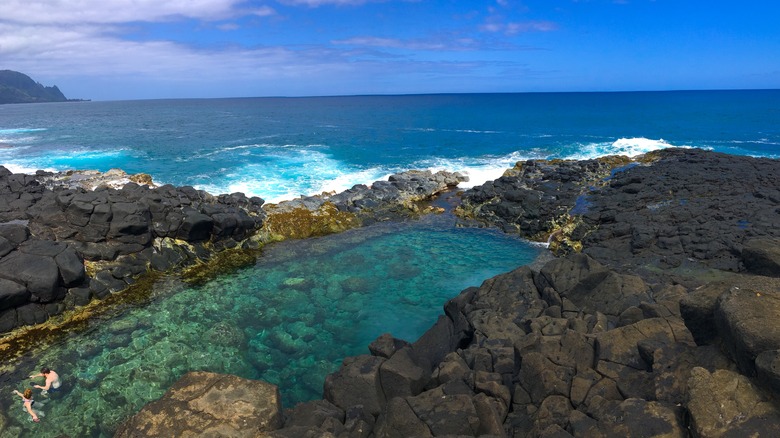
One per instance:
(224, 262)
(300, 222)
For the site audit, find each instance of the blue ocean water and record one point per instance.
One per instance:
(304, 306)
(280, 148)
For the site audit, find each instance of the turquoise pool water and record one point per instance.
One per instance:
(289, 320)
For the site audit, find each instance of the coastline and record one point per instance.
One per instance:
(481, 327)
(147, 230)
(624, 333)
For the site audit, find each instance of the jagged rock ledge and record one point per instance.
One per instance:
(69, 238)
(658, 318)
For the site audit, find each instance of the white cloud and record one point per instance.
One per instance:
(414, 44)
(113, 11)
(316, 3)
(512, 28)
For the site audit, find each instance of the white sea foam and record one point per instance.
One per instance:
(623, 146)
(478, 169)
(291, 172)
(12, 131)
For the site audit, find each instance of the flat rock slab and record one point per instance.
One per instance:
(207, 404)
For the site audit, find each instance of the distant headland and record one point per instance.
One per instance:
(17, 87)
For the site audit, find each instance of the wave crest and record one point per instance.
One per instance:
(630, 147)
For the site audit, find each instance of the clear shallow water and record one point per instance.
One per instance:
(290, 320)
(279, 148)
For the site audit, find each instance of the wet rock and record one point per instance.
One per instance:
(213, 405)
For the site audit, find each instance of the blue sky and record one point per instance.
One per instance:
(139, 49)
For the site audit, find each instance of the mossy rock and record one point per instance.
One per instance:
(300, 222)
(222, 263)
(561, 242)
(614, 160)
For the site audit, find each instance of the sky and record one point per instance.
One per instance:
(147, 49)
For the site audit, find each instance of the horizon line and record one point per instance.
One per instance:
(452, 93)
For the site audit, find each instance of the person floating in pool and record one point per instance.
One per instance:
(27, 401)
(52, 380)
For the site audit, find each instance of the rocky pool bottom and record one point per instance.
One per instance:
(288, 320)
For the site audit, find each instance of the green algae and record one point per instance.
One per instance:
(222, 263)
(25, 339)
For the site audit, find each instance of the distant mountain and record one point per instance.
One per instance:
(17, 87)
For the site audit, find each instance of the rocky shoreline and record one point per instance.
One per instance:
(71, 239)
(657, 318)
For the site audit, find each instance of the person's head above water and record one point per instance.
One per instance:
(27, 393)
(45, 370)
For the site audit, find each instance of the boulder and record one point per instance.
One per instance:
(356, 383)
(38, 273)
(727, 404)
(762, 257)
(398, 420)
(386, 345)
(71, 267)
(208, 404)
(592, 287)
(402, 375)
(195, 227)
(746, 321)
(12, 294)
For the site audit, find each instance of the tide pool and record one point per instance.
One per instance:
(290, 319)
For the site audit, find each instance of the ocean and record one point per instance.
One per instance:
(281, 148)
(306, 305)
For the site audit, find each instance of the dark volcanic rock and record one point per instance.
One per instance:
(622, 339)
(762, 257)
(726, 404)
(747, 321)
(694, 208)
(534, 196)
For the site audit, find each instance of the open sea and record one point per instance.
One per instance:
(305, 305)
(280, 148)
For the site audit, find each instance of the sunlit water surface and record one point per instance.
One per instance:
(290, 320)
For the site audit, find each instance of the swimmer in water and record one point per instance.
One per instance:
(27, 402)
(52, 380)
